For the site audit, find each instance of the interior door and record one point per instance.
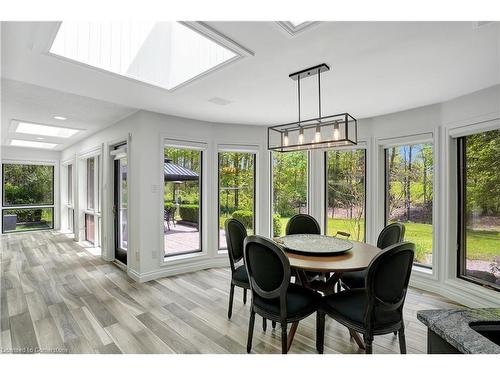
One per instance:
(120, 206)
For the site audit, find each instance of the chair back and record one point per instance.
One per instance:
(302, 224)
(387, 281)
(235, 235)
(268, 268)
(392, 234)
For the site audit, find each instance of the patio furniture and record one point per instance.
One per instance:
(343, 234)
(169, 215)
(376, 309)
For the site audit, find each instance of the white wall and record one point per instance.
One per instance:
(26, 153)
(148, 130)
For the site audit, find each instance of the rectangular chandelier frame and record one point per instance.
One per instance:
(322, 132)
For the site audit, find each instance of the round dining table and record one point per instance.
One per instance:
(329, 256)
(314, 252)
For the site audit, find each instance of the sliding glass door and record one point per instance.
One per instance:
(120, 205)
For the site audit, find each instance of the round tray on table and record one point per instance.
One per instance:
(314, 244)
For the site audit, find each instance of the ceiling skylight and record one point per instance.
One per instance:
(45, 130)
(24, 143)
(164, 54)
(295, 27)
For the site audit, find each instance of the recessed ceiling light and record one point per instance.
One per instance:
(24, 143)
(62, 118)
(45, 130)
(40, 138)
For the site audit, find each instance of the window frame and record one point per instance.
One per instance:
(202, 148)
(461, 246)
(96, 210)
(271, 187)
(365, 201)
(4, 204)
(241, 151)
(70, 194)
(415, 139)
(52, 206)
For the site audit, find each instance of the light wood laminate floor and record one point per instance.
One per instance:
(57, 297)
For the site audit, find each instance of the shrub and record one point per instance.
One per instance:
(245, 217)
(276, 225)
(189, 212)
(168, 205)
(27, 216)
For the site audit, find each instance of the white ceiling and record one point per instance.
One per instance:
(376, 68)
(22, 101)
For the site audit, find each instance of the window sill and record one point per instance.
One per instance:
(424, 273)
(183, 257)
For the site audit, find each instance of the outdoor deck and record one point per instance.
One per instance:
(184, 238)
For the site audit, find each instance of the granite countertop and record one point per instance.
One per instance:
(453, 327)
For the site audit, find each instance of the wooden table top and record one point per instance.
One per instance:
(357, 259)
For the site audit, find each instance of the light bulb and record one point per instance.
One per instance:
(336, 132)
(285, 140)
(301, 136)
(318, 134)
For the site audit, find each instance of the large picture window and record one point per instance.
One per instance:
(290, 187)
(28, 197)
(345, 193)
(409, 195)
(479, 208)
(182, 200)
(236, 191)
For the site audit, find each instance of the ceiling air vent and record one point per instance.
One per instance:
(481, 24)
(219, 101)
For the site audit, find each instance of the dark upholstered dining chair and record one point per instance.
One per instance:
(392, 234)
(302, 224)
(235, 235)
(273, 296)
(376, 309)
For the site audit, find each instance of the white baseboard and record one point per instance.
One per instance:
(178, 269)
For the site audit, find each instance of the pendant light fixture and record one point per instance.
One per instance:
(324, 131)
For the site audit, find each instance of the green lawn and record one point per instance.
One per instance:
(481, 244)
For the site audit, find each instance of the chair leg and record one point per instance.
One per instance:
(402, 340)
(264, 324)
(244, 296)
(231, 295)
(250, 330)
(273, 323)
(284, 338)
(368, 344)
(320, 332)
